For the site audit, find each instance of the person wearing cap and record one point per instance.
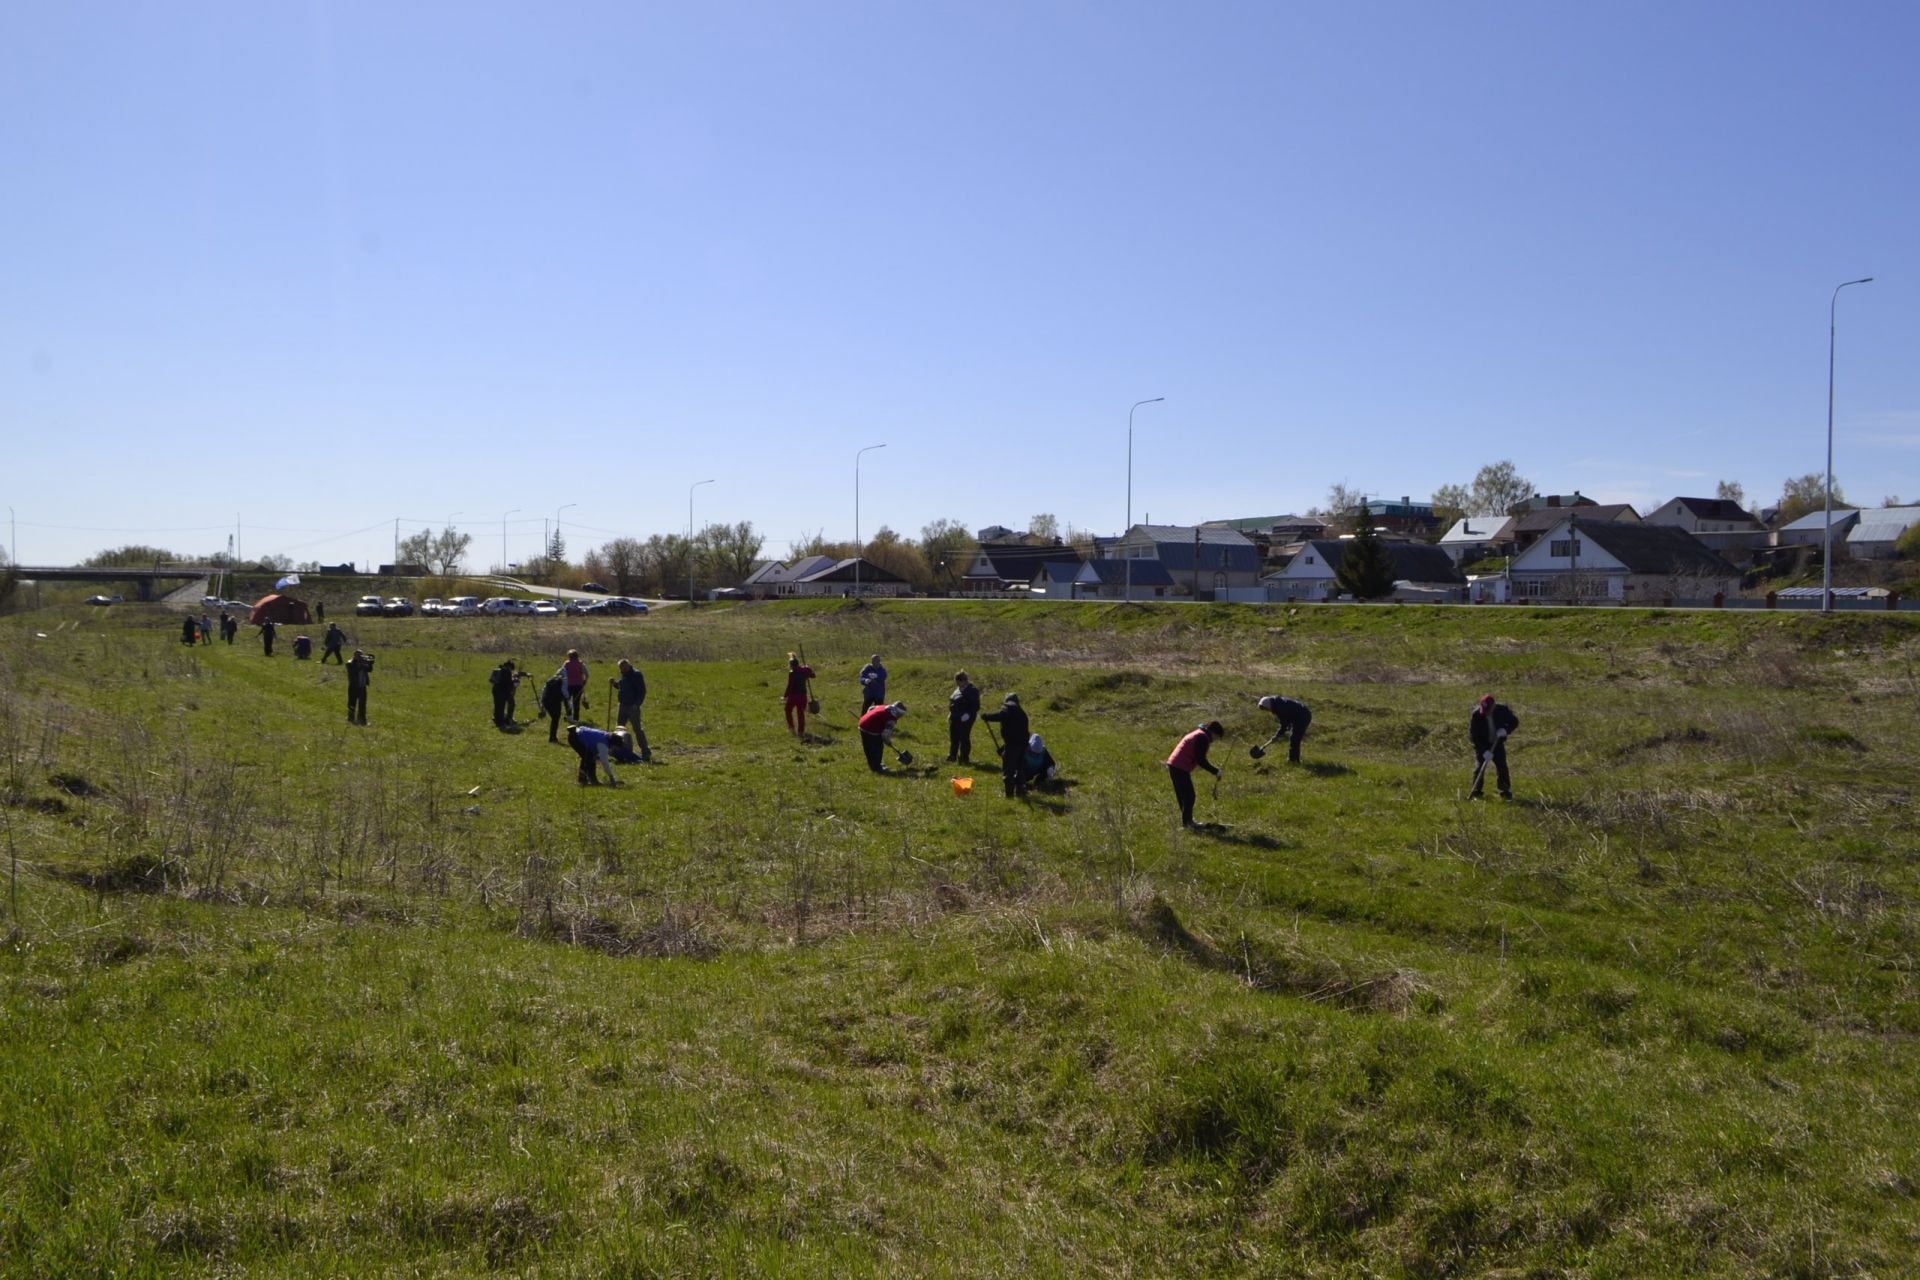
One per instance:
(1489, 726)
(629, 691)
(1037, 765)
(553, 703)
(876, 731)
(359, 675)
(1293, 717)
(963, 704)
(1191, 754)
(591, 745)
(873, 685)
(1012, 719)
(505, 680)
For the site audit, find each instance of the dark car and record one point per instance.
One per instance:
(594, 587)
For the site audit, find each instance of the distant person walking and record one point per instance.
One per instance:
(266, 636)
(319, 610)
(1191, 754)
(591, 745)
(359, 675)
(330, 643)
(206, 628)
(228, 627)
(963, 706)
(1012, 719)
(629, 691)
(1294, 719)
(1488, 727)
(797, 695)
(873, 685)
(575, 672)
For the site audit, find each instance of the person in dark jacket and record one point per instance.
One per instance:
(629, 691)
(330, 643)
(188, 629)
(1189, 755)
(266, 636)
(319, 610)
(873, 685)
(228, 627)
(553, 701)
(1489, 726)
(1038, 768)
(359, 674)
(876, 731)
(592, 746)
(1294, 719)
(505, 681)
(1012, 719)
(206, 628)
(963, 706)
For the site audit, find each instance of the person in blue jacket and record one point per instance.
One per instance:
(592, 746)
(873, 685)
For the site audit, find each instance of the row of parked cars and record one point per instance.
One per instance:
(496, 606)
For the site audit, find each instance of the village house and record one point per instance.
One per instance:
(1878, 528)
(1201, 559)
(1618, 562)
(1723, 525)
(998, 568)
(1528, 529)
(1807, 530)
(1475, 537)
(1107, 580)
(1420, 571)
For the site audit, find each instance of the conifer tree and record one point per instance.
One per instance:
(1366, 567)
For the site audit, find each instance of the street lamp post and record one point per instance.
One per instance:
(1826, 546)
(856, 514)
(503, 538)
(1123, 532)
(690, 488)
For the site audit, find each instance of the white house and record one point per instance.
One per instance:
(1420, 571)
(1878, 528)
(1475, 537)
(1107, 580)
(1723, 525)
(1618, 562)
(1807, 530)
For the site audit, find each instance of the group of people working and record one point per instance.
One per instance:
(563, 695)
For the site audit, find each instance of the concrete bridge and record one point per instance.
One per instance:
(143, 580)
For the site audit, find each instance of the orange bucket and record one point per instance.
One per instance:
(963, 786)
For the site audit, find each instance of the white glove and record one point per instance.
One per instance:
(966, 717)
(1499, 734)
(1485, 756)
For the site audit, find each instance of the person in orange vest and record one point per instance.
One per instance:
(1189, 755)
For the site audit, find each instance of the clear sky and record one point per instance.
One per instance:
(316, 266)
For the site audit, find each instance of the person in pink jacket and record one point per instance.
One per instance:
(1191, 754)
(575, 673)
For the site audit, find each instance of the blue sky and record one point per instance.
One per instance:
(315, 267)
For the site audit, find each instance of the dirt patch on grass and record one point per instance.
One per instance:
(672, 935)
(132, 873)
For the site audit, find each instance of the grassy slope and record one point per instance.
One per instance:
(277, 1001)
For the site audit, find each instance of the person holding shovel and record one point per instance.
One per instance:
(876, 733)
(799, 693)
(963, 704)
(553, 704)
(359, 675)
(629, 691)
(1488, 727)
(1293, 717)
(1012, 719)
(1191, 754)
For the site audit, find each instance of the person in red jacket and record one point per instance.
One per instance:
(575, 672)
(876, 731)
(798, 673)
(1191, 754)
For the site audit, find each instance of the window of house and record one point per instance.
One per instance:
(1561, 548)
(1309, 559)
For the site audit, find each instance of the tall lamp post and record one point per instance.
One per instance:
(1123, 532)
(1826, 544)
(856, 514)
(503, 538)
(690, 488)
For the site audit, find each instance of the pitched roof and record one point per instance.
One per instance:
(1113, 573)
(842, 571)
(1221, 548)
(1476, 529)
(1815, 520)
(1412, 561)
(1715, 509)
(1546, 517)
(1883, 524)
(1652, 548)
(1015, 563)
(1262, 524)
(764, 571)
(1058, 570)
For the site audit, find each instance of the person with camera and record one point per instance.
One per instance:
(359, 674)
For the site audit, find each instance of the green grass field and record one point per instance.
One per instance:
(289, 996)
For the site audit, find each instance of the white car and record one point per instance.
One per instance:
(546, 609)
(461, 607)
(370, 607)
(507, 605)
(430, 607)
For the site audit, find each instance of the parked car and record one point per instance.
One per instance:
(461, 607)
(370, 607)
(106, 599)
(615, 605)
(546, 609)
(398, 607)
(594, 587)
(431, 607)
(212, 602)
(506, 605)
(729, 593)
